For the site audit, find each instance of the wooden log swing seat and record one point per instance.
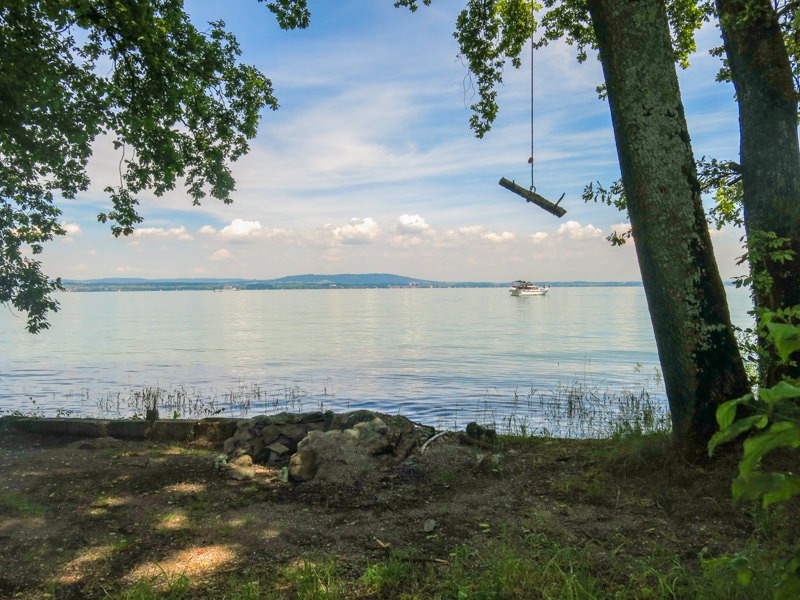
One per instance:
(532, 196)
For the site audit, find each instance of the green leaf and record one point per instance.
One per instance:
(726, 412)
(785, 337)
(770, 487)
(783, 390)
(782, 434)
(735, 430)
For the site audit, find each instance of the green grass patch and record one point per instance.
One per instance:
(21, 505)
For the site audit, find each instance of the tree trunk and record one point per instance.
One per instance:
(688, 308)
(770, 154)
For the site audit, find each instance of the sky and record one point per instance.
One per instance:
(369, 165)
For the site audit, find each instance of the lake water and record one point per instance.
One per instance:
(439, 356)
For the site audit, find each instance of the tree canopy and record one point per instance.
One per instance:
(174, 101)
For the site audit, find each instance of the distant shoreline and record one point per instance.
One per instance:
(250, 285)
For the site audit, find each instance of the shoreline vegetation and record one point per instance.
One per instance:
(532, 516)
(578, 410)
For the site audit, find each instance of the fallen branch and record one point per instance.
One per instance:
(431, 439)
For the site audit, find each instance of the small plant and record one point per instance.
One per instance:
(772, 418)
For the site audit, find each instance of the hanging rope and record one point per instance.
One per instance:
(531, 195)
(533, 187)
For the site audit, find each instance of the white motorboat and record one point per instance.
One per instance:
(526, 288)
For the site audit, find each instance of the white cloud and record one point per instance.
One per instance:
(575, 231)
(495, 237)
(411, 225)
(71, 228)
(179, 233)
(221, 254)
(241, 228)
(357, 231)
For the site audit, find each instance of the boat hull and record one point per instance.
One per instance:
(539, 292)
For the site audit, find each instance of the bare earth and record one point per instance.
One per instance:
(81, 518)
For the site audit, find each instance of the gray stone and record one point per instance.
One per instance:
(294, 433)
(270, 433)
(278, 448)
(215, 430)
(241, 468)
(314, 417)
(277, 453)
(303, 465)
(285, 418)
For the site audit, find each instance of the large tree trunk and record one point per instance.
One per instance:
(770, 154)
(688, 308)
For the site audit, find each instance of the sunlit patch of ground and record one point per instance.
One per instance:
(75, 570)
(173, 521)
(101, 506)
(195, 562)
(185, 488)
(29, 524)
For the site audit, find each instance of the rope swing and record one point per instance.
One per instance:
(530, 194)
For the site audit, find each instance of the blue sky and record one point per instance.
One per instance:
(369, 164)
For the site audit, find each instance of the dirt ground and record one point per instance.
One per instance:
(80, 518)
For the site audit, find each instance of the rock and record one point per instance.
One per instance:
(344, 446)
(270, 433)
(429, 525)
(478, 435)
(314, 417)
(214, 429)
(489, 462)
(303, 464)
(294, 433)
(277, 453)
(242, 468)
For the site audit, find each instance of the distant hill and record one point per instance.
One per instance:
(312, 281)
(379, 279)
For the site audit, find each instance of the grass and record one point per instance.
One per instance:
(519, 565)
(579, 410)
(21, 505)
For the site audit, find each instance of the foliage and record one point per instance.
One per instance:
(174, 102)
(489, 33)
(722, 179)
(788, 16)
(760, 247)
(493, 32)
(771, 417)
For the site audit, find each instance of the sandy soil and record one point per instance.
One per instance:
(79, 518)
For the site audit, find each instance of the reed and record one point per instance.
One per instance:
(576, 410)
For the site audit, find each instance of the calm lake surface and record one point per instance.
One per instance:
(439, 356)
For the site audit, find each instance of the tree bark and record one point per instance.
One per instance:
(688, 307)
(770, 154)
